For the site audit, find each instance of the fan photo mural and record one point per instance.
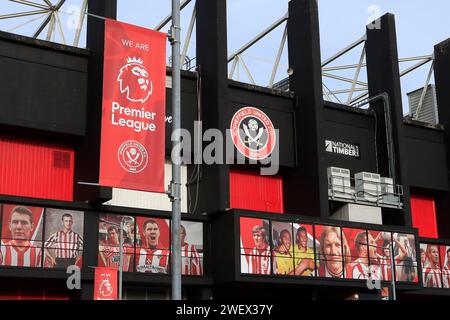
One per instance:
(380, 255)
(405, 257)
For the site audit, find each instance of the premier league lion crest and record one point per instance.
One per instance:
(253, 133)
(105, 288)
(134, 80)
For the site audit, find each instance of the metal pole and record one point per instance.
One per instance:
(176, 157)
(167, 19)
(394, 294)
(120, 258)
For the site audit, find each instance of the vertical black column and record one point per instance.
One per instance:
(90, 252)
(88, 154)
(305, 189)
(442, 81)
(384, 76)
(212, 61)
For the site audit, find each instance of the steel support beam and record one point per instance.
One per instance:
(278, 58)
(187, 41)
(344, 51)
(167, 19)
(22, 14)
(424, 92)
(258, 37)
(414, 67)
(76, 39)
(32, 4)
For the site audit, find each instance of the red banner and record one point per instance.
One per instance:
(133, 117)
(105, 284)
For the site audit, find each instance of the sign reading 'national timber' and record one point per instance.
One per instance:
(345, 149)
(133, 116)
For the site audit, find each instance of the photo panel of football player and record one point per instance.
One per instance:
(283, 248)
(331, 247)
(423, 257)
(431, 273)
(191, 234)
(445, 265)
(63, 244)
(360, 266)
(380, 254)
(255, 249)
(154, 253)
(109, 242)
(405, 257)
(21, 242)
(304, 262)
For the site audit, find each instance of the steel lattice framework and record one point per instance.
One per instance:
(50, 13)
(357, 89)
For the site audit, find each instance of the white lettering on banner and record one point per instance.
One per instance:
(140, 46)
(347, 149)
(136, 125)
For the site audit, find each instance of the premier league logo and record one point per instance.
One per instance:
(253, 133)
(133, 156)
(134, 80)
(105, 288)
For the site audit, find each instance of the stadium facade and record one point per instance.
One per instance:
(356, 185)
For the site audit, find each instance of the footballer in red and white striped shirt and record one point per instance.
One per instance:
(432, 272)
(432, 278)
(260, 261)
(260, 256)
(152, 258)
(109, 251)
(366, 248)
(446, 271)
(191, 261)
(66, 243)
(20, 256)
(19, 251)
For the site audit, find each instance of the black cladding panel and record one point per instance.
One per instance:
(426, 158)
(42, 86)
(355, 127)
(280, 110)
(189, 109)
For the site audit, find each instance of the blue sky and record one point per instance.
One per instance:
(420, 25)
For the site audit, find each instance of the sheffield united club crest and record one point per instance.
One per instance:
(133, 156)
(253, 133)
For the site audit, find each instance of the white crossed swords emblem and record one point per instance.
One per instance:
(253, 126)
(133, 156)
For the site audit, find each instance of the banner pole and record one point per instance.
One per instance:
(176, 157)
(120, 258)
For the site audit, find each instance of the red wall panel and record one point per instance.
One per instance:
(424, 215)
(33, 169)
(36, 290)
(251, 191)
